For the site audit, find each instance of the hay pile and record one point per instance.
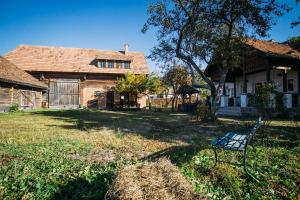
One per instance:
(156, 180)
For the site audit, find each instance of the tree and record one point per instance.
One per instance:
(152, 84)
(196, 31)
(175, 77)
(129, 84)
(135, 84)
(297, 22)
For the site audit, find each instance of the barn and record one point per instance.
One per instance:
(18, 87)
(79, 76)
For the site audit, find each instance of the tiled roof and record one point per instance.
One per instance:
(12, 74)
(61, 59)
(274, 48)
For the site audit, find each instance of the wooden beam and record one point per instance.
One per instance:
(299, 82)
(284, 81)
(268, 76)
(244, 80)
(234, 87)
(12, 95)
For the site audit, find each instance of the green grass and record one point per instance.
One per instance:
(56, 154)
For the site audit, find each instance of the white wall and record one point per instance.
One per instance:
(260, 77)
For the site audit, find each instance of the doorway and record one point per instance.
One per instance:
(110, 96)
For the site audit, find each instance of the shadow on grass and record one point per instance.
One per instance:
(177, 154)
(157, 126)
(82, 188)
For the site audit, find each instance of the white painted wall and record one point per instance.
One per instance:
(260, 77)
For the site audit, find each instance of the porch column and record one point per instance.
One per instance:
(224, 101)
(224, 97)
(284, 80)
(268, 76)
(244, 100)
(244, 96)
(299, 88)
(287, 100)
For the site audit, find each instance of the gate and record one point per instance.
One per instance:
(64, 93)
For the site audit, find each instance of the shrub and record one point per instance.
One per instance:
(14, 108)
(261, 100)
(203, 112)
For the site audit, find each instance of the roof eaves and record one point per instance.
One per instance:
(24, 84)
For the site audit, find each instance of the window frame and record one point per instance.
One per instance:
(102, 64)
(110, 64)
(120, 65)
(126, 65)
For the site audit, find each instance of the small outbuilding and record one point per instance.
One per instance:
(18, 87)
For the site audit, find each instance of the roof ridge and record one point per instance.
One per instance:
(75, 48)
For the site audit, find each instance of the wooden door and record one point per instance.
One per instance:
(110, 97)
(64, 93)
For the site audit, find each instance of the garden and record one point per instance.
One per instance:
(76, 154)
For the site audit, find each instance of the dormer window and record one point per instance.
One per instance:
(111, 64)
(102, 64)
(127, 65)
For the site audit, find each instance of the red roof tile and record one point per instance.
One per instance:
(12, 74)
(61, 59)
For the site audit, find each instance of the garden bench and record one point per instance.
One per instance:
(237, 141)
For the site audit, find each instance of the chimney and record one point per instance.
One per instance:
(126, 47)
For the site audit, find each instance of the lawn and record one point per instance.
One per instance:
(44, 155)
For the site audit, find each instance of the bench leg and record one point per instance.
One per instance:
(244, 162)
(216, 156)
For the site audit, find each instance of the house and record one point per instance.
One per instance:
(18, 87)
(79, 76)
(263, 62)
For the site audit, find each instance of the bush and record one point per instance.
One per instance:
(203, 112)
(261, 100)
(14, 108)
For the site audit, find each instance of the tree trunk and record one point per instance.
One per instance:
(213, 108)
(173, 103)
(167, 103)
(149, 99)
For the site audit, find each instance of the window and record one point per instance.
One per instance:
(290, 85)
(110, 64)
(102, 64)
(127, 65)
(120, 65)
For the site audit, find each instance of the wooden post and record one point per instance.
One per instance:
(12, 95)
(48, 89)
(284, 81)
(244, 82)
(244, 76)
(298, 82)
(268, 77)
(234, 88)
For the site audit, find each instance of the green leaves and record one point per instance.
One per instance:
(139, 84)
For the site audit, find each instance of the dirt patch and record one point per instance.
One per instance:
(154, 180)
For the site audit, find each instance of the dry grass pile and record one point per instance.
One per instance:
(155, 180)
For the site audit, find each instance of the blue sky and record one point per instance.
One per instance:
(102, 24)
